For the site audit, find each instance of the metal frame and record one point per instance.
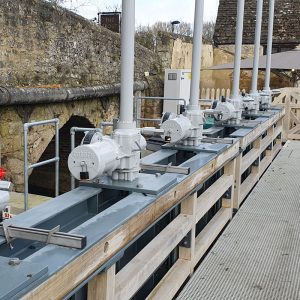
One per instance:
(138, 109)
(55, 160)
(73, 131)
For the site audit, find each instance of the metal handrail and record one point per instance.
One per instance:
(55, 160)
(138, 112)
(73, 131)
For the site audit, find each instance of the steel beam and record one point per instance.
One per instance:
(45, 236)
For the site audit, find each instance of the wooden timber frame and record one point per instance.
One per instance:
(258, 149)
(289, 98)
(251, 154)
(124, 284)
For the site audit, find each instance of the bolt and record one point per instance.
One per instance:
(157, 174)
(139, 186)
(14, 262)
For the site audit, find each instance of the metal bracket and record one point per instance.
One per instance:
(52, 236)
(51, 232)
(187, 241)
(165, 168)
(229, 141)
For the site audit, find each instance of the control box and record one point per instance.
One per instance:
(177, 85)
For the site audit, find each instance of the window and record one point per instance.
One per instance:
(172, 76)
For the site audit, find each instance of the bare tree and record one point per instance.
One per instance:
(113, 8)
(208, 32)
(72, 5)
(148, 35)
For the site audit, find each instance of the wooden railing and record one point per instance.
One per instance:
(290, 99)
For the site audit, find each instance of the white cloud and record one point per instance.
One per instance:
(149, 12)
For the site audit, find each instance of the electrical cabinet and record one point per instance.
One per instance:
(177, 85)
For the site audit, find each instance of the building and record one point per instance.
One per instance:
(286, 24)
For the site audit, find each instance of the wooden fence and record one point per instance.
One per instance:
(290, 99)
(214, 94)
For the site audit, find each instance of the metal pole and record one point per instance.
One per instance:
(72, 148)
(270, 44)
(127, 64)
(25, 167)
(259, 9)
(238, 49)
(197, 54)
(57, 157)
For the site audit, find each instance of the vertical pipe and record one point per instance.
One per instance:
(238, 49)
(57, 157)
(72, 148)
(259, 9)
(197, 54)
(270, 44)
(25, 167)
(127, 63)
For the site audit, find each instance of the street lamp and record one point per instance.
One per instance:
(173, 25)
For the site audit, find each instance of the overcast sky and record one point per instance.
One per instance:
(150, 11)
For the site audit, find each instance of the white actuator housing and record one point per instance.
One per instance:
(176, 129)
(227, 110)
(117, 156)
(95, 159)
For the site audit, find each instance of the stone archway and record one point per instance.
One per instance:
(41, 181)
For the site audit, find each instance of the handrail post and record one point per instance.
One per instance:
(25, 167)
(56, 159)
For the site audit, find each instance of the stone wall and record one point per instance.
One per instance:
(45, 45)
(11, 129)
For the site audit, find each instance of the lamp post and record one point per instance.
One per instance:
(173, 25)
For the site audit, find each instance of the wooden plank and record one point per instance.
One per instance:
(80, 268)
(276, 149)
(229, 169)
(212, 195)
(237, 182)
(189, 207)
(172, 281)
(102, 287)
(208, 235)
(294, 136)
(249, 159)
(265, 143)
(247, 185)
(287, 119)
(252, 136)
(295, 106)
(264, 164)
(139, 269)
(294, 129)
(278, 130)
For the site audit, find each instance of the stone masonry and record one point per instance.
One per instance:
(45, 46)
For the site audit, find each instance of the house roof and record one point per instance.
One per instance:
(282, 61)
(286, 23)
